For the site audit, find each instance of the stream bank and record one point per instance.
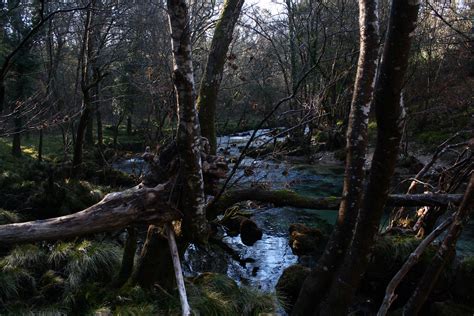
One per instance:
(266, 260)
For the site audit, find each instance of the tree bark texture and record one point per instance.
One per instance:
(445, 251)
(189, 133)
(211, 80)
(316, 284)
(390, 114)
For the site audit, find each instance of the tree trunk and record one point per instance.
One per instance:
(207, 98)
(84, 121)
(16, 143)
(155, 265)
(100, 133)
(81, 130)
(89, 135)
(189, 194)
(317, 283)
(390, 115)
(129, 125)
(40, 145)
(445, 251)
(189, 133)
(128, 258)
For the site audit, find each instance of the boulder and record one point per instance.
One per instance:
(463, 287)
(289, 285)
(305, 240)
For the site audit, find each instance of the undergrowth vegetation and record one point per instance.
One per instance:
(77, 278)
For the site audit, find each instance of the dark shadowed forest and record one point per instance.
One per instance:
(231, 157)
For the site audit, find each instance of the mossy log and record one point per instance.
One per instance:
(291, 198)
(117, 210)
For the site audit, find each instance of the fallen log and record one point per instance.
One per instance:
(138, 205)
(291, 198)
(144, 205)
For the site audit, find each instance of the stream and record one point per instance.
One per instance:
(272, 254)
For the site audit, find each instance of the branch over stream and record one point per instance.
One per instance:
(144, 205)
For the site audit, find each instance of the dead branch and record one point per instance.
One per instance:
(390, 295)
(117, 210)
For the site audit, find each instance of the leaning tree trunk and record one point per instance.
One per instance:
(390, 116)
(318, 281)
(445, 251)
(207, 98)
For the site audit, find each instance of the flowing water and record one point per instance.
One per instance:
(268, 257)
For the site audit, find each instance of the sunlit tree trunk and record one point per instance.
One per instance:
(317, 283)
(207, 98)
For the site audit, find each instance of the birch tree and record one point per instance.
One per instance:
(189, 132)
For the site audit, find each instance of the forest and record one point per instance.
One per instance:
(232, 157)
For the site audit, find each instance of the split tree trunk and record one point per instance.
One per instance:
(390, 118)
(210, 83)
(317, 283)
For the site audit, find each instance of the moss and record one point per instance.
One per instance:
(463, 288)
(289, 285)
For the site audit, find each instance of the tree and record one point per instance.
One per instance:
(347, 271)
(316, 284)
(390, 116)
(211, 80)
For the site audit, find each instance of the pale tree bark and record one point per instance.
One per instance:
(316, 284)
(390, 118)
(445, 252)
(138, 205)
(189, 134)
(211, 80)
